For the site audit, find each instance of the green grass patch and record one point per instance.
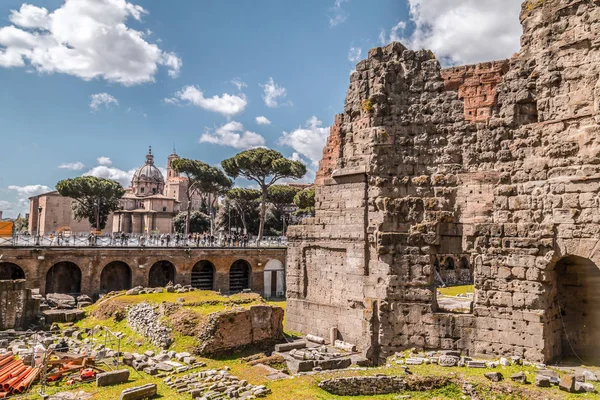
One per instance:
(303, 387)
(456, 290)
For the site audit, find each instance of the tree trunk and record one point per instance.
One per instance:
(189, 211)
(243, 218)
(211, 213)
(263, 212)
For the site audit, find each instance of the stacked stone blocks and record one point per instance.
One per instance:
(496, 163)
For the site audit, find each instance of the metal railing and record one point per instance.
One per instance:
(85, 240)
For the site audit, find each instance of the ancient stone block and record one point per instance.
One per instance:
(139, 392)
(567, 383)
(112, 377)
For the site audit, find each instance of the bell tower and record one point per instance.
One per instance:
(171, 173)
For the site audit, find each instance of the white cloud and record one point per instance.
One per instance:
(336, 14)
(74, 166)
(354, 54)
(233, 134)
(395, 34)
(30, 16)
(106, 161)
(100, 99)
(104, 171)
(462, 31)
(172, 62)
(85, 38)
(5, 205)
(24, 193)
(309, 141)
(227, 104)
(263, 120)
(30, 190)
(297, 157)
(273, 93)
(238, 83)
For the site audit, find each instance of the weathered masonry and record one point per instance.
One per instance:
(488, 173)
(100, 270)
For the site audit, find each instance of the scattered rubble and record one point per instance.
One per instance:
(154, 364)
(363, 385)
(170, 288)
(144, 319)
(306, 356)
(213, 384)
(80, 395)
(544, 377)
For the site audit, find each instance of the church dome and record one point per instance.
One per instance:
(148, 179)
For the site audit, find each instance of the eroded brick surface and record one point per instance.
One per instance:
(514, 189)
(476, 86)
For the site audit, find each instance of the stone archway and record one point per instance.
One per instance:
(274, 279)
(578, 302)
(115, 276)
(161, 273)
(239, 276)
(203, 275)
(63, 277)
(10, 271)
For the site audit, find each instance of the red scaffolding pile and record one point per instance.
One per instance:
(15, 376)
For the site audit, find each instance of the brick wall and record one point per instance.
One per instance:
(496, 162)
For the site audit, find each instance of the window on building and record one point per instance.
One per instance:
(142, 190)
(165, 209)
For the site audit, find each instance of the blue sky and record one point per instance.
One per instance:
(88, 85)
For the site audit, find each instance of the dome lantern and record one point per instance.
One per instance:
(148, 180)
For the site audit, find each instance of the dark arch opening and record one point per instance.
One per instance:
(239, 276)
(464, 263)
(449, 264)
(63, 277)
(203, 275)
(161, 273)
(578, 299)
(10, 271)
(115, 276)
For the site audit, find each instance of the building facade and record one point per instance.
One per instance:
(148, 206)
(51, 211)
(145, 208)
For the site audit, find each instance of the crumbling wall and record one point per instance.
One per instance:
(497, 163)
(228, 330)
(476, 86)
(17, 307)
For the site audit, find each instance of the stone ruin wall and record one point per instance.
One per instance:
(497, 163)
(18, 308)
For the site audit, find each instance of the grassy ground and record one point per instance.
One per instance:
(456, 290)
(294, 388)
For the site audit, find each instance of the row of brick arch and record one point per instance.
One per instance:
(449, 264)
(65, 276)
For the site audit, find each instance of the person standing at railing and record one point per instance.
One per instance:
(168, 239)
